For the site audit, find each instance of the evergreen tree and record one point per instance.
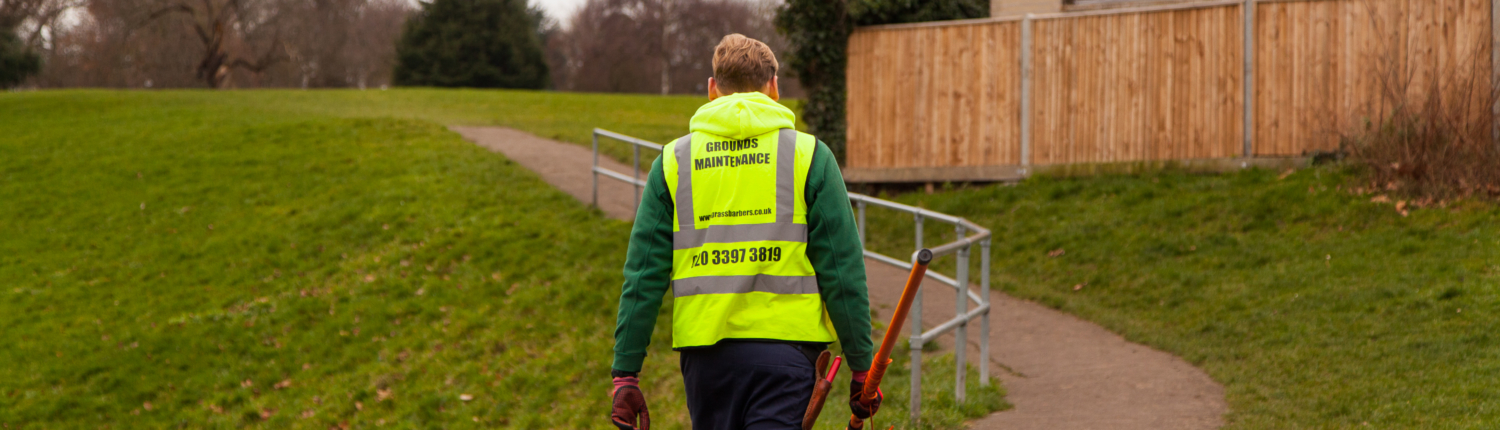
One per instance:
(16, 62)
(472, 43)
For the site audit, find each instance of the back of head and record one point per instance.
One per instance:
(742, 64)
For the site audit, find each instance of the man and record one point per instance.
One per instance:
(748, 221)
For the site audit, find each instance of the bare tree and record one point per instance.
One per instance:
(233, 33)
(35, 20)
(226, 43)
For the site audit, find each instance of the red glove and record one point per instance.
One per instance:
(857, 403)
(629, 403)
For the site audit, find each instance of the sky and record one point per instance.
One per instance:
(559, 9)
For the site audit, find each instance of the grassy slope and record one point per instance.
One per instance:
(1315, 308)
(193, 250)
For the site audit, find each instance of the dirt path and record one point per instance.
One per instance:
(1060, 372)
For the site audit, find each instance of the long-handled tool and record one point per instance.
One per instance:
(883, 356)
(820, 390)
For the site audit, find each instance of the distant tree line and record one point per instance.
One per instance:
(654, 46)
(641, 46)
(223, 43)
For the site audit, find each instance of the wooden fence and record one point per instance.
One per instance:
(997, 98)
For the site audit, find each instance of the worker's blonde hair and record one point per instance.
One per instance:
(742, 64)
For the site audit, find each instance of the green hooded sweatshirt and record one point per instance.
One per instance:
(832, 238)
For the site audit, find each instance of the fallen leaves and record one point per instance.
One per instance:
(1056, 253)
(1080, 286)
(285, 383)
(465, 397)
(148, 407)
(247, 384)
(383, 394)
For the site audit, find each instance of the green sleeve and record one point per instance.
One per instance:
(838, 258)
(648, 271)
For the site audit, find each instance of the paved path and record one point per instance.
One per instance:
(1060, 372)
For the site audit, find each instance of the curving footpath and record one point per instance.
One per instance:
(1060, 372)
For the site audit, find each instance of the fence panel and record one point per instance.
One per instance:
(935, 96)
(1157, 83)
(1141, 86)
(1328, 68)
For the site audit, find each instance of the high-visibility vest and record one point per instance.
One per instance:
(739, 240)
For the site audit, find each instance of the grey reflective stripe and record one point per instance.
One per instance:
(783, 229)
(687, 239)
(744, 284)
(786, 167)
(684, 203)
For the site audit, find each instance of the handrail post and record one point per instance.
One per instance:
(984, 322)
(595, 171)
(961, 338)
(637, 183)
(862, 235)
(915, 319)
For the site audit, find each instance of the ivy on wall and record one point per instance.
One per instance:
(818, 33)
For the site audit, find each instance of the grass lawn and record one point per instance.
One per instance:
(1314, 307)
(310, 259)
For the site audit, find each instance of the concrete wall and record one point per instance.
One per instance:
(1000, 8)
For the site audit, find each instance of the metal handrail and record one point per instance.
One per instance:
(960, 284)
(963, 315)
(634, 180)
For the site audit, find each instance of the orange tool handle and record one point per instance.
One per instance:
(883, 356)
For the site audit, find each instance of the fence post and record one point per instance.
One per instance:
(1249, 84)
(595, 170)
(1026, 41)
(984, 320)
(914, 317)
(961, 338)
(1495, 71)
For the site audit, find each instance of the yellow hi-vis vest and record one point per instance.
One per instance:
(739, 240)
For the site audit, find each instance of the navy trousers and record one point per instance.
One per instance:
(747, 385)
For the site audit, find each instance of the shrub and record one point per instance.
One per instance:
(1438, 139)
(16, 62)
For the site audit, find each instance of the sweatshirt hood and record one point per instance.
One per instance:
(742, 115)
